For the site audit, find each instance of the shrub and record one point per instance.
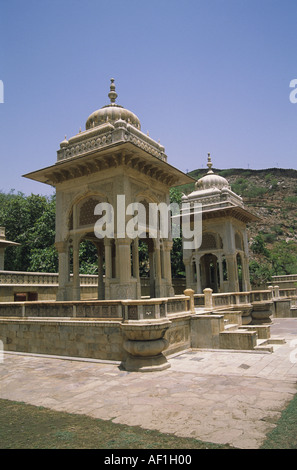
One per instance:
(255, 191)
(291, 199)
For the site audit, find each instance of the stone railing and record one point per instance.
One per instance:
(103, 136)
(211, 300)
(86, 141)
(260, 295)
(278, 293)
(35, 278)
(288, 292)
(31, 278)
(144, 309)
(284, 277)
(28, 278)
(288, 281)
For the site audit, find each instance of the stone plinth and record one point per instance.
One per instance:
(262, 311)
(145, 342)
(282, 308)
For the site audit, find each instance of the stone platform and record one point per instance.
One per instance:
(217, 396)
(139, 333)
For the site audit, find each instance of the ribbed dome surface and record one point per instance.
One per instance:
(210, 180)
(112, 113)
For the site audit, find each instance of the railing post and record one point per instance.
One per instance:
(190, 293)
(208, 298)
(276, 292)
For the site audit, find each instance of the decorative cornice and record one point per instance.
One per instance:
(82, 167)
(106, 135)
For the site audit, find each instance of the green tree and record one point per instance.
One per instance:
(177, 264)
(30, 221)
(260, 273)
(284, 258)
(258, 246)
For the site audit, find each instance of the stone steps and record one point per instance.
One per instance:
(263, 345)
(230, 326)
(238, 339)
(267, 344)
(247, 337)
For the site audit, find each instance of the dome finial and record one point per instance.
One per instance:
(209, 163)
(112, 95)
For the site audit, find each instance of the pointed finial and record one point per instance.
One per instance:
(209, 163)
(112, 95)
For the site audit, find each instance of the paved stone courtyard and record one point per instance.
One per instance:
(215, 396)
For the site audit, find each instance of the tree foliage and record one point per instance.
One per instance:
(30, 221)
(280, 260)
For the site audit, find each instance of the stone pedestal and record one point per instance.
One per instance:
(190, 293)
(208, 304)
(282, 308)
(262, 311)
(144, 343)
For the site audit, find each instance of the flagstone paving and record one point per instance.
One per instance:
(216, 396)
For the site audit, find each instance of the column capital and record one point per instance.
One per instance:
(123, 241)
(107, 241)
(167, 245)
(61, 246)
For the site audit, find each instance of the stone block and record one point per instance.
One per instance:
(205, 331)
(240, 340)
(282, 308)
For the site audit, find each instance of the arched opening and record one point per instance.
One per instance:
(239, 272)
(210, 272)
(224, 269)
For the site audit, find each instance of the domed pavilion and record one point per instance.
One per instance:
(221, 263)
(112, 160)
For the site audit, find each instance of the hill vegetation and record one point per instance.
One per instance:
(270, 194)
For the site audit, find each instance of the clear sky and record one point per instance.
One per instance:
(201, 75)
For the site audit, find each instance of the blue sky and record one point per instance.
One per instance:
(201, 75)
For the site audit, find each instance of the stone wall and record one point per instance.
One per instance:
(92, 329)
(89, 339)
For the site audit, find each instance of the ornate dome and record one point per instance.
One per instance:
(112, 112)
(211, 180)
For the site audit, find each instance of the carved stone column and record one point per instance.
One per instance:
(232, 273)
(108, 266)
(221, 283)
(246, 274)
(198, 280)
(187, 264)
(101, 294)
(76, 278)
(135, 257)
(64, 272)
(126, 286)
(2, 250)
(167, 247)
(158, 275)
